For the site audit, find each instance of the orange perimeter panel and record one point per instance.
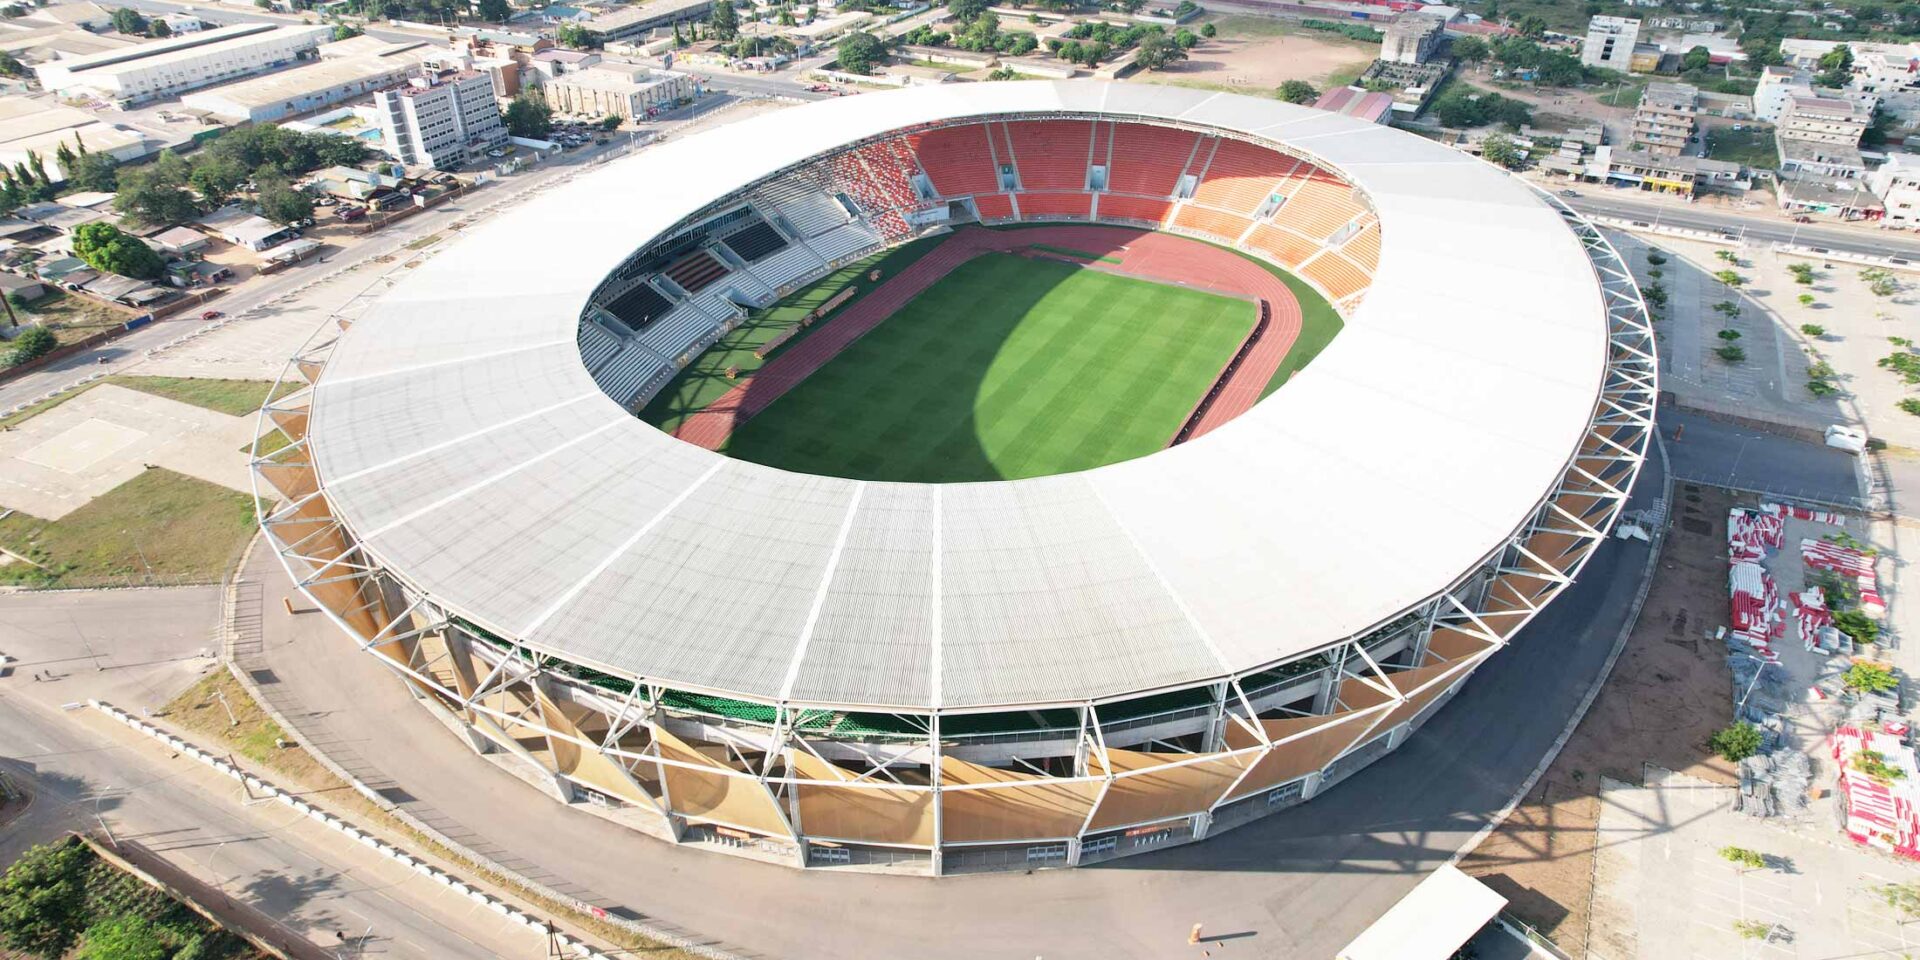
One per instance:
(1076, 205)
(1134, 208)
(1225, 226)
(993, 206)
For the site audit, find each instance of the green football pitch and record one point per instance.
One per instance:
(1008, 367)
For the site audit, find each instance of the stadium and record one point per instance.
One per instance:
(967, 478)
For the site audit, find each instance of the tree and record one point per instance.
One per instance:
(10, 66)
(43, 895)
(217, 178)
(1298, 91)
(1502, 151)
(1736, 742)
(529, 115)
(345, 31)
(1532, 26)
(279, 201)
(107, 248)
(1157, 51)
(964, 11)
(577, 37)
(610, 123)
(1836, 67)
(1187, 39)
(156, 194)
(121, 938)
(1471, 49)
(1744, 858)
(1868, 677)
(129, 21)
(1209, 31)
(724, 20)
(93, 171)
(495, 11)
(1812, 329)
(1697, 58)
(32, 344)
(860, 52)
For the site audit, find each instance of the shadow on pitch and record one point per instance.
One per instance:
(901, 403)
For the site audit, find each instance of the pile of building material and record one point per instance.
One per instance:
(1775, 785)
(1754, 600)
(1879, 784)
(1816, 622)
(1854, 564)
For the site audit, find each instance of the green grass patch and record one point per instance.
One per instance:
(235, 398)
(1006, 368)
(71, 316)
(1752, 146)
(705, 379)
(160, 527)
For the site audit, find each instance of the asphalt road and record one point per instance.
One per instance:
(1637, 206)
(1730, 455)
(137, 648)
(1301, 884)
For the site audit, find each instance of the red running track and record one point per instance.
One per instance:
(1159, 257)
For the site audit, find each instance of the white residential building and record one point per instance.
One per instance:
(1610, 43)
(1886, 66)
(442, 121)
(1778, 85)
(1897, 184)
(628, 91)
(165, 68)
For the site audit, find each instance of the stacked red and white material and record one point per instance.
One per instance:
(1750, 530)
(1755, 607)
(1848, 562)
(1879, 813)
(1803, 513)
(1813, 615)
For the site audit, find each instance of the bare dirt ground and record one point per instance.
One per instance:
(1666, 696)
(1250, 55)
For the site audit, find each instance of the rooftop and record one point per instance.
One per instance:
(281, 86)
(575, 527)
(189, 45)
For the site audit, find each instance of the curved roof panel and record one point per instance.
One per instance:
(458, 434)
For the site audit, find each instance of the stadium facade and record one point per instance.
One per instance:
(957, 677)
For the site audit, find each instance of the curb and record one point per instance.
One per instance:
(567, 944)
(473, 858)
(1593, 689)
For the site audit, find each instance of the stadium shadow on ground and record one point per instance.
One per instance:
(1008, 367)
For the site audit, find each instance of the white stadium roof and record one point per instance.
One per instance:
(458, 434)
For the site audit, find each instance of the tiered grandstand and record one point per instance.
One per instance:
(946, 678)
(1260, 197)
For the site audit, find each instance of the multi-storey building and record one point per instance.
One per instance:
(175, 65)
(440, 121)
(1897, 184)
(624, 90)
(1663, 122)
(1412, 38)
(1610, 42)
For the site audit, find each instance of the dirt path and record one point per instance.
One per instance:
(1669, 692)
(1159, 257)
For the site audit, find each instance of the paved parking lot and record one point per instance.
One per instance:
(1663, 891)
